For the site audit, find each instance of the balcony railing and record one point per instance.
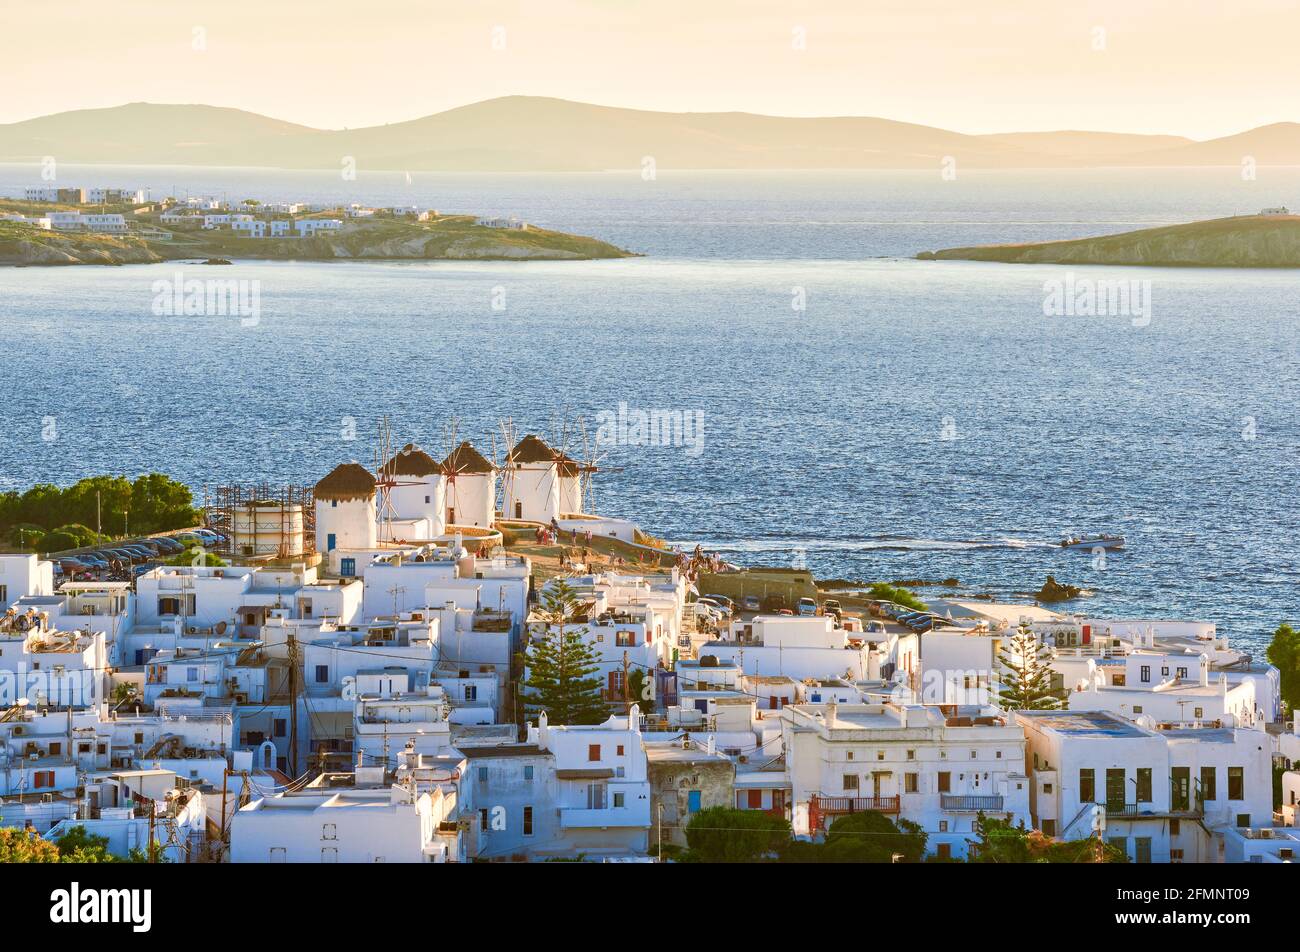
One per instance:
(962, 804)
(1178, 808)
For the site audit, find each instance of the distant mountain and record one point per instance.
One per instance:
(527, 133)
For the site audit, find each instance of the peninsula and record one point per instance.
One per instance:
(134, 231)
(1270, 239)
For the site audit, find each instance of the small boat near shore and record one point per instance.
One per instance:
(1088, 543)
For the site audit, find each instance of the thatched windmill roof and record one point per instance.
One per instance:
(466, 459)
(412, 461)
(568, 466)
(532, 449)
(345, 482)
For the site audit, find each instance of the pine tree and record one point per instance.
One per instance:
(1026, 674)
(561, 666)
(1284, 654)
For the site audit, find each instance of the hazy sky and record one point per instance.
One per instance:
(1193, 67)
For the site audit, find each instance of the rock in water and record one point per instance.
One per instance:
(1054, 591)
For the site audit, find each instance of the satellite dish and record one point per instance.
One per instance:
(22, 702)
(220, 628)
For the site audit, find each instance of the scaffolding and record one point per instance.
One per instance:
(295, 536)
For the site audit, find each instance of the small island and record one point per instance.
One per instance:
(1270, 239)
(71, 230)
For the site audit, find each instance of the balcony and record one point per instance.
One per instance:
(961, 804)
(1195, 808)
(821, 807)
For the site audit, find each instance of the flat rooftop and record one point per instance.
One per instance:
(1084, 723)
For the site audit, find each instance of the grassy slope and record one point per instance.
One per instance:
(1248, 241)
(450, 237)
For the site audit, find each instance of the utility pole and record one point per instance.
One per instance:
(627, 688)
(221, 846)
(99, 528)
(293, 705)
(152, 854)
(661, 831)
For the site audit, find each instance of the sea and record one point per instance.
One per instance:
(822, 399)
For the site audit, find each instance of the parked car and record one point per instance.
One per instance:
(717, 608)
(751, 603)
(807, 606)
(874, 628)
(774, 603)
(722, 600)
(831, 606)
(169, 546)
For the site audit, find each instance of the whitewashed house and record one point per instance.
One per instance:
(602, 789)
(937, 766)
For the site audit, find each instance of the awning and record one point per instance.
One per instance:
(593, 773)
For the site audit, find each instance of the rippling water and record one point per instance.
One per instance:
(916, 420)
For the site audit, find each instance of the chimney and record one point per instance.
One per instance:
(713, 744)
(1205, 671)
(829, 714)
(1223, 684)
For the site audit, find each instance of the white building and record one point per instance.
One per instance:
(1161, 795)
(797, 647)
(310, 227)
(346, 509)
(471, 488)
(939, 767)
(115, 196)
(532, 481)
(602, 788)
(508, 795)
(418, 500)
(358, 817)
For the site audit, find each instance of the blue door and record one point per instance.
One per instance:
(329, 542)
(693, 801)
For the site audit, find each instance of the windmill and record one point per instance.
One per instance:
(460, 461)
(386, 479)
(508, 441)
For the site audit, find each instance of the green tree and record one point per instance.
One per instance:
(997, 841)
(884, 592)
(561, 667)
(22, 846)
(724, 835)
(58, 540)
(1284, 654)
(152, 503)
(77, 846)
(27, 536)
(1026, 675)
(866, 837)
(196, 556)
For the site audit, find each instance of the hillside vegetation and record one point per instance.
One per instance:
(1248, 241)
